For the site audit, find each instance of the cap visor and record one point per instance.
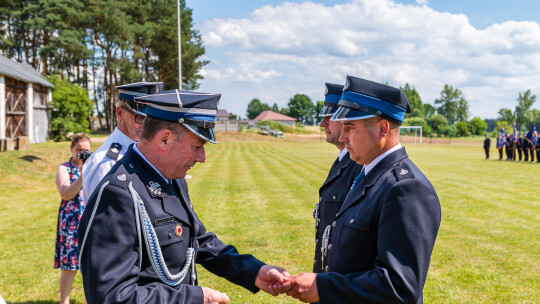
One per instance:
(327, 111)
(207, 134)
(343, 114)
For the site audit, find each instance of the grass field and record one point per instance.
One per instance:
(259, 195)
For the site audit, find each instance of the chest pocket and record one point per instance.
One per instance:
(171, 232)
(354, 236)
(173, 247)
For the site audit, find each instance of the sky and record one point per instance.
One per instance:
(272, 50)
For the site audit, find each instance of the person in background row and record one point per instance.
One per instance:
(537, 146)
(130, 115)
(69, 182)
(508, 144)
(500, 145)
(532, 146)
(519, 145)
(341, 176)
(487, 144)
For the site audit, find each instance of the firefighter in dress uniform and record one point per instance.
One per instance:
(140, 237)
(341, 176)
(378, 247)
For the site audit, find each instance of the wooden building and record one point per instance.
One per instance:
(24, 100)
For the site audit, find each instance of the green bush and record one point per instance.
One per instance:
(462, 129)
(283, 127)
(477, 126)
(416, 121)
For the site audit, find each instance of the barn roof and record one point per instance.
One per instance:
(21, 71)
(270, 115)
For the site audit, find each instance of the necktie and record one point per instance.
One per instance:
(358, 179)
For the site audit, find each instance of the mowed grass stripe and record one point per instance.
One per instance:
(259, 195)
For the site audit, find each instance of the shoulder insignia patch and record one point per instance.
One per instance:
(121, 177)
(114, 151)
(403, 172)
(155, 189)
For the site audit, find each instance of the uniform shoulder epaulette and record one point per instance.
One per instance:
(402, 170)
(122, 176)
(114, 151)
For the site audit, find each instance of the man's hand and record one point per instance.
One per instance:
(302, 286)
(212, 296)
(270, 275)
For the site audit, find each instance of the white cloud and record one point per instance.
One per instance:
(294, 48)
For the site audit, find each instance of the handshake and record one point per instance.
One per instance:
(275, 281)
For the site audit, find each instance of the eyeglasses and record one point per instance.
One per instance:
(138, 118)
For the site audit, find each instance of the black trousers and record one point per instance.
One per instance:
(532, 155)
(526, 154)
(500, 153)
(538, 156)
(487, 152)
(519, 153)
(508, 153)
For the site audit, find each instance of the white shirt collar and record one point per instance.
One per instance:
(146, 160)
(342, 153)
(377, 160)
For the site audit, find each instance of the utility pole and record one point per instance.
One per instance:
(450, 126)
(430, 124)
(179, 48)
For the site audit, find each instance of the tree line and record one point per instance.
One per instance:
(448, 115)
(98, 44)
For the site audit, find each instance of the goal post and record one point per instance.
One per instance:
(408, 130)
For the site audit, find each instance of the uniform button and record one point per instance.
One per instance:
(352, 221)
(337, 214)
(334, 224)
(320, 199)
(316, 241)
(315, 261)
(170, 235)
(330, 247)
(326, 268)
(334, 197)
(131, 166)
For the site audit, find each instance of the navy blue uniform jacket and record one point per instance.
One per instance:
(382, 238)
(331, 196)
(109, 261)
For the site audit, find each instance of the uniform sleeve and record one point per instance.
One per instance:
(225, 261)
(110, 255)
(408, 225)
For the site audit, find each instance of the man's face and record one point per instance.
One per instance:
(332, 130)
(361, 138)
(184, 154)
(127, 123)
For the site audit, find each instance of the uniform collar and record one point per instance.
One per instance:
(149, 163)
(121, 138)
(342, 153)
(377, 160)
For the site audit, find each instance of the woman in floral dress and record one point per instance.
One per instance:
(69, 182)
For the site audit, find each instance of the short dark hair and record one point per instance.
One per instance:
(79, 137)
(152, 126)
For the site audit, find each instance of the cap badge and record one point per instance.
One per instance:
(403, 172)
(347, 84)
(155, 189)
(114, 150)
(122, 177)
(178, 230)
